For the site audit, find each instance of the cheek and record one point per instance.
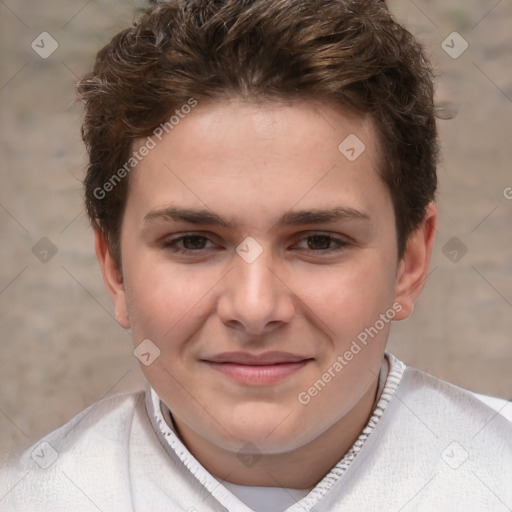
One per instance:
(349, 297)
(164, 299)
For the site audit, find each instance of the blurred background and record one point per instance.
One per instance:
(61, 348)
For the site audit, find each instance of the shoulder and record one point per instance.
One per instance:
(83, 457)
(457, 445)
(500, 405)
(444, 401)
(440, 445)
(106, 422)
(447, 412)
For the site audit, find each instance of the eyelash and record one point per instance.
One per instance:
(172, 244)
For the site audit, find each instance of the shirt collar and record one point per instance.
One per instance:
(161, 419)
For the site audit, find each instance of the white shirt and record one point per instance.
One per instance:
(429, 446)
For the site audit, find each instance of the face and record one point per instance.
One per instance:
(256, 256)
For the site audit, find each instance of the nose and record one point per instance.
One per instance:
(255, 299)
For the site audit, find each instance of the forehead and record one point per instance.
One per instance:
(265, 156)
(262, 129)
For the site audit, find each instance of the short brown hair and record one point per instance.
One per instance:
(350, 52)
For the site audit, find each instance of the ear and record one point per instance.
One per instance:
(413, 268)
(112, 279)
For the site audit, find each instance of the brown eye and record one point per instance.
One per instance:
(319, 242)
(194, 242)
(188, 244)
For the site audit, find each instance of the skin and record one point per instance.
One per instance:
(251, 164)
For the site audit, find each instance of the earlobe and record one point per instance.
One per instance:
(112, 278)
(413, 268)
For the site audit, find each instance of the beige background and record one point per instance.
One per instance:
(60, 347)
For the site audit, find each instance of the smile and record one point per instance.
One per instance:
(257, 370)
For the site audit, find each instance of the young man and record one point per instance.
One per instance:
(261, 186)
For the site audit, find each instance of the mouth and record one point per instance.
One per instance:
(257, 370)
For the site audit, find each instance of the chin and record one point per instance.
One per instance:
(270, 434)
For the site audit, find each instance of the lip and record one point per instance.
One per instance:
(257, 369)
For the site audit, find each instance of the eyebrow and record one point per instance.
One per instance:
(291, 218)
